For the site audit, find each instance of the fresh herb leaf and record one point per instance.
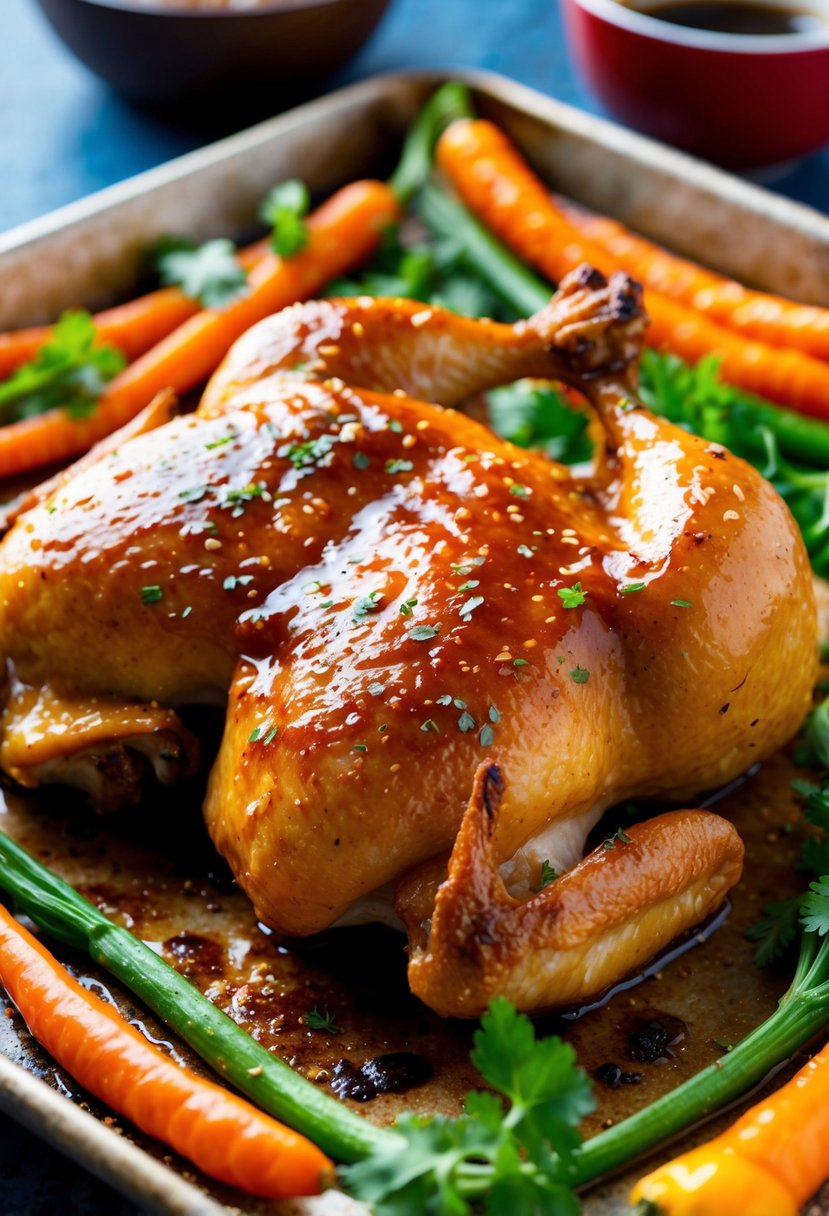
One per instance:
(399, 466)
(579, 675)
(814, 913)
(548, 875)
(572, 597)
(619, 836)
(466, 722)
(284, 210)
(208, 273)
(310, 452)
(71, 370)
(776, 929)
(321, 1019)
(152, 594)
(516, 1156)
(422, 633)
(682, 603)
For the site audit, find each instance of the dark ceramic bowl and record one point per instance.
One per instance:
(162, 54)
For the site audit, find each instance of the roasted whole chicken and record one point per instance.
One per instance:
(443, 656)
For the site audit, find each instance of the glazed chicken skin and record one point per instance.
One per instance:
(444, 656)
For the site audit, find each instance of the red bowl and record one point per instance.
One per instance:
(744, 101)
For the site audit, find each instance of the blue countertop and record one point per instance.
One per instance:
(65, 134)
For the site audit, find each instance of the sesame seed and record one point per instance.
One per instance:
(421, 318)
(212, 543)
(395, 768)
(731, 514)
(423, 425)
(538, 599)
(738, 492)
(513, 509)
(358, 329)
(408, 441)
(503, 657)
(529, 644)
(327, 351)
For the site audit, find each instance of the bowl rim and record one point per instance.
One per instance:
(156, 8)
(638, 22)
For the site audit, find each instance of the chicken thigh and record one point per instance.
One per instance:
(444, 656)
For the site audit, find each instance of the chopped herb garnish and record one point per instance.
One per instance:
(430, 725)
(469, 607)
(394, 425)
(271, 735)
(407, 606)
(619, 835)
(518, 491)
(399, 466)
(422, 633)
(493, 715)
(308, 453)
(194, 494)
(631, 588)
(151, 594)
(360, 460)
(327, 604)
(469, 584)
(548, 875)
(238, 496)
(219, 443)
(572, 597)
(524, 550)
(360, 747)
(520, 662)
(579, 675)
(444, 699)
(321, 1019)
(466, 722)
(682, 603)
(237, 580)
(365, 604)
(284, 209)
(254, 734)
(486, 736)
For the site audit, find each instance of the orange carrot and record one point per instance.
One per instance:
(755, 314)
(342, 233)
(133, 326)
(768, 1163)
(499, 186)
(221, 1133)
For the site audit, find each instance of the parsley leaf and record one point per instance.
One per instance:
(815, 909)
(579, 675)
(512, 1152)
(208, 273)
(572, 597)
(321, 1019)
(284, 210)
(775, 930)
(548, 875)
(71, 370)
(422, 633)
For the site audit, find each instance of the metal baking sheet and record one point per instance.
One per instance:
(154, 878)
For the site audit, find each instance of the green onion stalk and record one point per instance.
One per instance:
(57, 909)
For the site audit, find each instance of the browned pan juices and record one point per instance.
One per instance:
(153, 870)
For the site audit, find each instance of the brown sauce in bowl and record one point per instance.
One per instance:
(732, 17)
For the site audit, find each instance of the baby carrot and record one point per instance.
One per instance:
(499, 186)
(768, 1163)
(342, 232)
(755, 314)
(221, 1133)
(133, 326)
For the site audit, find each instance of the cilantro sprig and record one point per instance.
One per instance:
(284, 211)
(510, 1146)
(71, 370)
(208, 273)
